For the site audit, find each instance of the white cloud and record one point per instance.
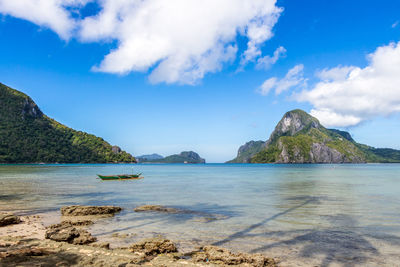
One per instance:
(52, 14)
(182, 39)
(346, 96)
(294, 77)
(394, 25)
(267, 61)
(179, 40)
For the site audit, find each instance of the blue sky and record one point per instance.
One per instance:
(152, 109)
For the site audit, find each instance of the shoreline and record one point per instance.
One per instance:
(26, 243)
(31, 232)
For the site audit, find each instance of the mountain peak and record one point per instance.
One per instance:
(293, 122)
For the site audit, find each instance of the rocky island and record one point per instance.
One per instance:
(183, 157)
(300, 138)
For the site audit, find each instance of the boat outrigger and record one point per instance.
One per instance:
(121, 177)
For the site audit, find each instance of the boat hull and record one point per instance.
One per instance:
(120, 177)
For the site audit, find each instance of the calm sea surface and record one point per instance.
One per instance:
(317, 214)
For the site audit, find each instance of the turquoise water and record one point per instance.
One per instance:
(324, 214)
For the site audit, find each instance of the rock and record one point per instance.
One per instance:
(154, 246)
(78, 223)
(104, 245)
(116, 149)
(217, 255)
(89, 210)
(8, 218)
(158, 208)
(67, 233)
(28, 251)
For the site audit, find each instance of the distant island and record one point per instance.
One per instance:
(150, 157)
(29, 136)
(183, 157)
(300, 138)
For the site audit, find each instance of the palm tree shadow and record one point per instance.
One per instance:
(247, 230)
(341, 243)
(341, 246)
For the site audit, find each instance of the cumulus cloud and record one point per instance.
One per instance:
(53, 14)
(294, 77)
(267, 61)
(348, 95)
(178, 40)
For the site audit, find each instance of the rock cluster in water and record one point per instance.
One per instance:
(65, 232)
(89, 210)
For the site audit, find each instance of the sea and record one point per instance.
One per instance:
(303, 215)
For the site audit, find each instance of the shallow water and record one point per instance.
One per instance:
(314, 214)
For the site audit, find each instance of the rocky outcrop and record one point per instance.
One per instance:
(66, 233)
(116, 149)
(221, 256)
(154, 246)
(31, 109)
(8, 218)
(247, 151)
(89, 210)
(292, 123)
(319, 153)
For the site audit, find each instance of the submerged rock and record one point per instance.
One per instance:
(77, 223)
(89, 210)
(8, 218)
(104, 245)
(158, 208)
(217, 255)
(154, 246)
(66, 233)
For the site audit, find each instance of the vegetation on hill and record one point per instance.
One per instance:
(27, 135)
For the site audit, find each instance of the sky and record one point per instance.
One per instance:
(155, 76)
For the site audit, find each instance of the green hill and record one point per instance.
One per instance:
(300, 138)
(27, 135)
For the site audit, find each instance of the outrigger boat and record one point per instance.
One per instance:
(121, 177)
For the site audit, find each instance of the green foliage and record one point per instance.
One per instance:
(268, 155)
(27, 135)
